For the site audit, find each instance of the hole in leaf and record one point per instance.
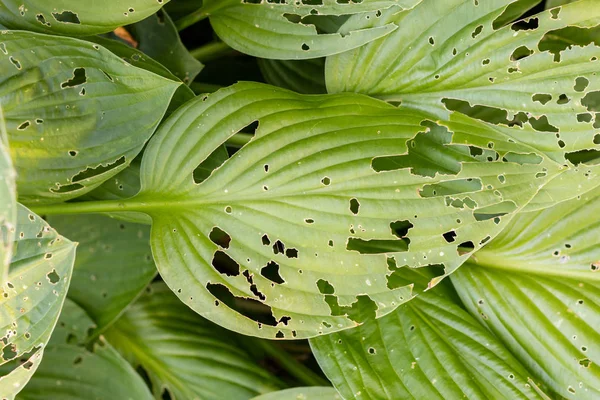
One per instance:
(588, 157)
(465, 248)
(377, 246)
(99, 170)
(249, 308)
(401, 228)
(220, 237)
(542, 98)
(325, 287)
(449, 236)
(271, 272)
(66, 17)
(581, 84)
(53, 277)
(354, 206)
(79, 78)
(224, 264)
(526, 25)
(520, 53)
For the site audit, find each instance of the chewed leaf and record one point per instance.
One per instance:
(73, 17)
(113, 266)
(8, 203)
(291, 30)
(70, 367)
(536, 288)
(428, 348)
(69, 107)
(32, 297)
(184, 354)
(303, 212)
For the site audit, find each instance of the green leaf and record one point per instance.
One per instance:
(449, 50)
(71, 371)
(32, 297)
(113, 266)
(536, 288)
(556, 3)
(281, 31)
(429, 348)
(158, 38)
(65, 17)
(8, 203)
(76, 114)
(183, 353)
(302, 76)
(304, 206)
(304, 393)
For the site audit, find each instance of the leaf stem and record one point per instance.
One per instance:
(199, 15)
(304, 375)
(85, 207)
(211, 51)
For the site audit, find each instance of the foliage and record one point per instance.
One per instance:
(412, 185)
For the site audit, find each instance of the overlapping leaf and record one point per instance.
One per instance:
(113, 266)
(32, 297)
(184, 354)
(288, 29)
(536, 288)
(429, 348)
(76, 114)
(309, 219)
(305, 393)
(71, 371)
(448, 53)
(8, 205)
(302, 76)
(68, 17)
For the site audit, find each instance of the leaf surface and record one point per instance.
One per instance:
(536, 288)
(68, 107)
(304, 393)
(313, 216)
(67, 17)
(113, 266)
(428, 348)
(71, 371)
(32, 297)
(284, 30)
(183, 353)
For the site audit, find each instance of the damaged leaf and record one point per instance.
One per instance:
(32, 297)
(76, 114)
(285, 203)
(74, 18)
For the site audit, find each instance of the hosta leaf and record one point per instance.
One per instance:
(76, 114)
(8, 204)
(114, 264)
(308, 219)
(158, 38)
(429, 348)
(304, 393)
(32, 297)
(71, 17)
(183, 353)
(302, 76)
(71, 371)
(449, 51)
(287, 30)
(536, 287)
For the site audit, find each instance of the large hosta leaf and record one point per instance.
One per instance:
(429, 348)
(304, 221)
(8, 204)
(183, 353)
(71, 371)
(32, 297)
(76, 114)
(288, 30)
(447, 53)
(536, 287)
(305, 393)
(114, 263)
(73, 17)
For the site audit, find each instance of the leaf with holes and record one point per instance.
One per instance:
(450, 55)
(67, 17)
(32, 297)
(428, 348)
(183, 354)
(70, 369)
(536, 288)
(68, 107)
(286, 31)
(311, 208)
(8, 204)
(303, 393)
(113, 266)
